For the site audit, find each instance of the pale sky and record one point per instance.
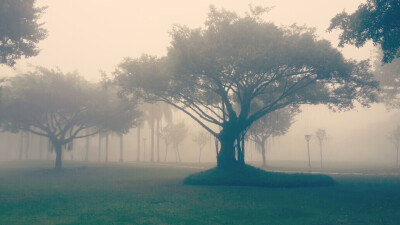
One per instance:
(93, 35)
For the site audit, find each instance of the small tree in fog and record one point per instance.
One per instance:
(166, 137)
(175, 134)
(321, 136)
(395, 138)
(201, 140)
(276, 123)
(62, 107)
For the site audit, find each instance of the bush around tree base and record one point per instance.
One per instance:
(246, 175)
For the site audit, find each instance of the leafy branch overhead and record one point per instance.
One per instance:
(377, 21)
(20, 30)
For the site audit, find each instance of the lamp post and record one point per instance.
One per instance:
(308, 138)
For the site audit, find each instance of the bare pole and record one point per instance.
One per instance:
(308, 138)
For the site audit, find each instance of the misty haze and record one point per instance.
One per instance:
(200, 112)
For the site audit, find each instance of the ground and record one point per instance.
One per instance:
(31, 193)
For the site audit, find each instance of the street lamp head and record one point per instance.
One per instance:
(308, 137)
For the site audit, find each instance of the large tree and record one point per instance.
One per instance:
(236, 70)
(62, 107)
(20, 30)
(375, 20)
(273, 124)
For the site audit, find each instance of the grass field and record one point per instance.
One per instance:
(31, 193)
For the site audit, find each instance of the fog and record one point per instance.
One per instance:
(89, 36)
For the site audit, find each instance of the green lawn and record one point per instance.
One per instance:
(31, 193)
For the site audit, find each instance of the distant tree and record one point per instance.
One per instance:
(175, 134)
(138, 127)
(395, 138)
(162, 110)
(166, 137)
(20, 30)
(126, 115)
(62, 107)
(201, 140)
(375, 20)
(273, 124)
(149, 117)
(153, 114)
(321, 136)
(244, 61)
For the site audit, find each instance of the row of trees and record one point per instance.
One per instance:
(227, 75)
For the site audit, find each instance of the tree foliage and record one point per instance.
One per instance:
(235, 70)
(20, 30)
(388, 76)
(375, 20)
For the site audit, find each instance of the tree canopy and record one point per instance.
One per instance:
(235, 70)
(62, 107)
(375, 20)
(20, 30)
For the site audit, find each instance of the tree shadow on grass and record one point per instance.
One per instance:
(250, 176)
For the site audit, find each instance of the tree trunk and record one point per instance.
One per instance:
(240, 149)
(40, 147)
(106, 148)
(263, 153)
(21, 145)
(87, 149)
(216, 141)
(58, 150)
(200, 154)
(152, 136)
(144, 150)
(99, 156)
(177, 153)
(226, 156)
(50, 148)
(138, 144)
(397, 157)
(26, 145)
(166, 152)
(121, 148)
(158, 140)
(320, 149)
